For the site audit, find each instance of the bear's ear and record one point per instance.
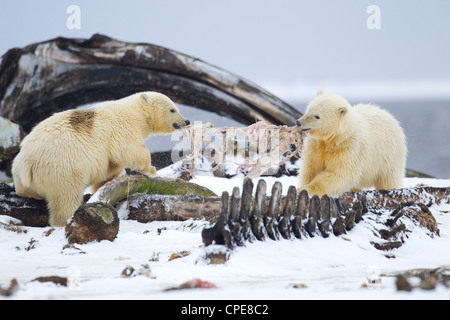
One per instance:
(146, 99)
(320, 92)
(341, 111)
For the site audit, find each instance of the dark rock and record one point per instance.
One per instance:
(386, 246)
(62, 281)
(93, 222)
(11, 135)
(13, 286)
(403, 284)
(217, 255)
(32, 212)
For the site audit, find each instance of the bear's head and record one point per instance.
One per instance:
(162, 114)
(324, 115)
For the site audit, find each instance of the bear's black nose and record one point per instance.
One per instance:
(188, 122)
(297, 122)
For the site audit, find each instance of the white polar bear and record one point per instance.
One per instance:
(350, 148)
(74, 149)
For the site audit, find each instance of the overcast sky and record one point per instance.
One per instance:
(258, 39)
(292, 48)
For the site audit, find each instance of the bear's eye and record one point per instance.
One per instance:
(317, 117)
(172, 110)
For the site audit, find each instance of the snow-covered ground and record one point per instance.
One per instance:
(314, 268)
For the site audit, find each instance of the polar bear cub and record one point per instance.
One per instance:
(350, 148)
(74, 149)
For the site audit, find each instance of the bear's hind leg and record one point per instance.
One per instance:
(25, 192)
(62, 207)
(389, 181)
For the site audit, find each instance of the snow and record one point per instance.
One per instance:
(313, 268)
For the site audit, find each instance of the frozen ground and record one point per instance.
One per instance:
(314, 268)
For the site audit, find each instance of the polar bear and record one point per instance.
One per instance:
(74, 149)
(350, 148)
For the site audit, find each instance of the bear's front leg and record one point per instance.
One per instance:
(151, 172)
(309, 169)
(330, 183)
(142, 162)
(312, 190)
(312, 163)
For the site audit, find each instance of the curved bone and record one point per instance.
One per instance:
(63, 73)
